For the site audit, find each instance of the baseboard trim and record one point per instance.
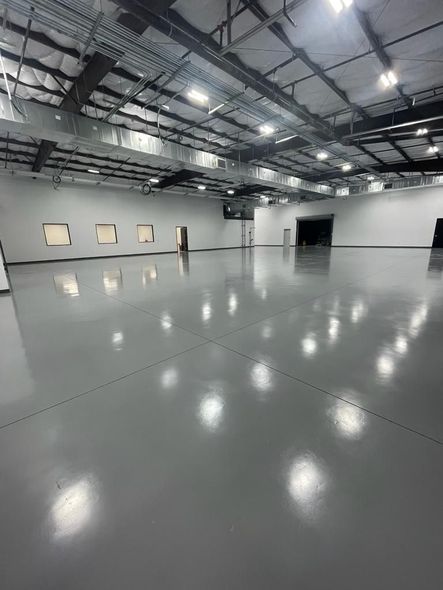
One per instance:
(398, 247)
(45, 261)
(345, 246)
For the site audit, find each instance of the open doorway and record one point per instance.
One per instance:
(286, 237)
(315, 231)
(438, 234)
(181, 234)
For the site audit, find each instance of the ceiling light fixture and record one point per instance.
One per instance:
(154, 180)
(346, 167)
(371, 178)
(267, 129)
(389, 79)
(285, 139)
(215, 109)
(201, 187)
(322, 155)
(198, 96)
(433, 149)
(231, 192)
(338, 5)
(93, 171)
(422, 131)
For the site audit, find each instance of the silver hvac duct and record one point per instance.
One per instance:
(62, 127)
(398, 184)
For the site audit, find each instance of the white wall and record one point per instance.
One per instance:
(397, 218)
(25, 204)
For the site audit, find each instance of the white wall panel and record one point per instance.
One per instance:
(397, 218)
(26, 204)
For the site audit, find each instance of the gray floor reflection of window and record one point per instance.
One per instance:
(112, 280)
(66, 285)
(150, 274)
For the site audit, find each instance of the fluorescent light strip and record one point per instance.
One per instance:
(215, 109)
(93, 171)
(285, 139)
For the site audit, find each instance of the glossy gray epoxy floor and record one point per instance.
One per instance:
(267, 419)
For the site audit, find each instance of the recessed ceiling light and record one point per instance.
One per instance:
(154, 180)
(433, 149)
(93, 171)
(346, 167)
(201, 187)
(338, 5)
(198, 96)
(389, 79)
(322, 155)
(267, 129)
(231, 192)
(422, 131)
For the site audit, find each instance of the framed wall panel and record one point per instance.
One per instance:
(145, 233)
(57, 234)
(106, 233)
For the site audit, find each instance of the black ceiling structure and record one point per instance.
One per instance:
(376, 134)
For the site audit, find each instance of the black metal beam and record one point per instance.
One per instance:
(378, 48)
(203, 45)
(418, 115)
(299, 53)
(397, 137)
(419, 166)
(178, 178)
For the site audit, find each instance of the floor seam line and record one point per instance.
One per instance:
(324, 391)
(116, 380)
(303, 303)
(149, 313)
(247, 325)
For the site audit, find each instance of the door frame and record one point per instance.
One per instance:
(187, 238)
(438, 219)
(286, 229)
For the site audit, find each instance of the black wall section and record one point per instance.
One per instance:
(438, 234)
(312, 232)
